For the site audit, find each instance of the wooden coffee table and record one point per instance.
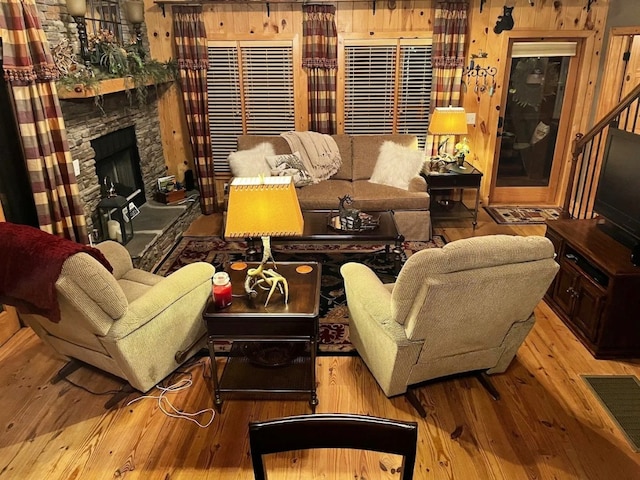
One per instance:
(258, 366)
(317, 229)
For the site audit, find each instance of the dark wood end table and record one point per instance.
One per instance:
(255, 330)
(455, 178)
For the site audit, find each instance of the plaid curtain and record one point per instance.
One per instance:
(449, 33)
(191, 53)
(320, 44)
(30, 73)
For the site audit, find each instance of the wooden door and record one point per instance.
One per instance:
(9, 323)
(536, 119)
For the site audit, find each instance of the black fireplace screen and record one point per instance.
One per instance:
(118, 163)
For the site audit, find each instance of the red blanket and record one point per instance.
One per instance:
(30, 263)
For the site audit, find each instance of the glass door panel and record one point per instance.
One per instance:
(531, 121)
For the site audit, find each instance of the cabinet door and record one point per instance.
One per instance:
(589, 303)
(565, 292)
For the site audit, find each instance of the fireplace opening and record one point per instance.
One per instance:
(118, 162)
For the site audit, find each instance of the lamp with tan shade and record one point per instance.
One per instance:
(447, 121)
(263, 207)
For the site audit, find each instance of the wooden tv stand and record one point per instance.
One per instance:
(597, 290)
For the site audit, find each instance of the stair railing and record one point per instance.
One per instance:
(587, 151)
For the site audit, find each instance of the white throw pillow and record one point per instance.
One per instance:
(397, 165)
(290, 164)
(251, 163)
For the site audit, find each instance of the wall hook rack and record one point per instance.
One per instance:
(485, 77)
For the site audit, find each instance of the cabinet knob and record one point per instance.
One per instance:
(572, 292)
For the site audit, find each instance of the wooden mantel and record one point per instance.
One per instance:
(105, 87)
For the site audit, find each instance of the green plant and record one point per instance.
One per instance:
(110, 59)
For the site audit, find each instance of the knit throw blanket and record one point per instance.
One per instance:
(30, 264)
(319, 153)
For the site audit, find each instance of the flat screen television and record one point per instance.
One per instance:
(618, 194)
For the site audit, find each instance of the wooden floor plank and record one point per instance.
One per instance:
(547, 424)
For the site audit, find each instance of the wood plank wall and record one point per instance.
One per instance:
(568, 18)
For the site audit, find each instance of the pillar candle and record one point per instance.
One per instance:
(113, 228)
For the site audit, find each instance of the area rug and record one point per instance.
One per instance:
(334, 317)
(620, 397)
(523, 215)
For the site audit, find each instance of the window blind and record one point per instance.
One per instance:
(250, 91)
(388, 87)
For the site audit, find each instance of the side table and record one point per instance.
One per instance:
(455, 178)
(273, 348)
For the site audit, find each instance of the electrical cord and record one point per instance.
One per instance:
(107, 392)
(166, 407)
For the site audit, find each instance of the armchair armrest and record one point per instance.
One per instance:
(367, 294)
(172, 290)
(117, 255)
(364, 286)
(417, 184)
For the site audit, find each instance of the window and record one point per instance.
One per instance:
(250, 91)
(387, 87)
(105, 15)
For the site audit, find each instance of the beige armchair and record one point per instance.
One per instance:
(462, 308)
(133, 324)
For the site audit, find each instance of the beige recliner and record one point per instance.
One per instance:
(465, 307)
(132, 323)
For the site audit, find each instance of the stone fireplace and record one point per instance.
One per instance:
(115, 123)
(120, 139)
(89, 125)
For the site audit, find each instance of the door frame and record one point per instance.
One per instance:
(578, 86)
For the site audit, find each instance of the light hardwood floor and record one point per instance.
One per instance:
(546, 426)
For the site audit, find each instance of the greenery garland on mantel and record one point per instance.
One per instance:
(118, 67)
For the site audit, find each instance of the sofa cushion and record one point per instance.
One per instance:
(397, 165)
(369, 196)
(252, 162)
(323, 195)
(346, 168)
(366, 149)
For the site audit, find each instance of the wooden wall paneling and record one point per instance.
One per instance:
(218, 19)
(621, 40)
(300, 87)
(482, 137)
(173, 128)
(344, 17)
(632, 75)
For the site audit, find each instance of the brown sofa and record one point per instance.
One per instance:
(359, 155)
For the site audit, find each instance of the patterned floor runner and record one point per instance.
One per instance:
(334, 318)
(523, 215)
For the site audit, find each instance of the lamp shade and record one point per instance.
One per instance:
(77, 8)
(263, 206)
(448, 121)
(134, 11)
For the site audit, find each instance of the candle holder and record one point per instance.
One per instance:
(134, 11)
(78, 9)
(116, 219)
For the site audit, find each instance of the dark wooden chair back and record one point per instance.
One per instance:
(333, 431)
